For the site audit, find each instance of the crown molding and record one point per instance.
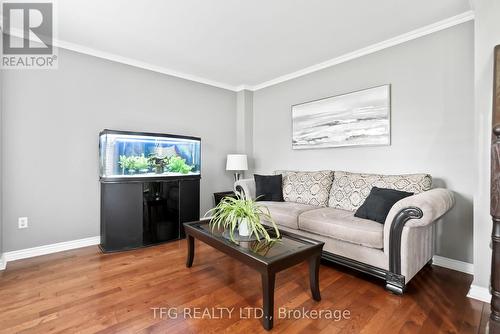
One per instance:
(243, 87)
(140, 64)
(131, 62)
(414, 34)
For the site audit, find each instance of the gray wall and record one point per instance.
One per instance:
(50, 139)
(244, 125)
(244, 121)
(432, 122)
(487, 27)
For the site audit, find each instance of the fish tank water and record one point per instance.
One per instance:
(124, 154)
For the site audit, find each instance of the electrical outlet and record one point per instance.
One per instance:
(22, 222)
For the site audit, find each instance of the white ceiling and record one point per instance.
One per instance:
(235, 42)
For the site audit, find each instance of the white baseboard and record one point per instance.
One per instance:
(47, 249)
(445, 262)
(479, 293)
(475, 291)
(2, 262)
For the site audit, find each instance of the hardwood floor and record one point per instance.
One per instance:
(85, 291)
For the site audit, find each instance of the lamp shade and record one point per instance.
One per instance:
(236, 162)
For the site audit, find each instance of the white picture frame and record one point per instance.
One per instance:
(360, 118)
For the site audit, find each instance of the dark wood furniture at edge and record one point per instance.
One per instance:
(495, 192)
(267, 269)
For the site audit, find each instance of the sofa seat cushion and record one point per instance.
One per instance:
(342, 225)
(286, 213)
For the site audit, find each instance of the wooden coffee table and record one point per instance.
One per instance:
(266, 258)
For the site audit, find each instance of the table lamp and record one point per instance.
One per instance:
(237, 163)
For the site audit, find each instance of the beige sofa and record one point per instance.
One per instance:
(321, 205)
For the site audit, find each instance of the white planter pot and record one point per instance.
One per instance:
(243, 229)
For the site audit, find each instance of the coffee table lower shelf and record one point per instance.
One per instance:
(289, 251)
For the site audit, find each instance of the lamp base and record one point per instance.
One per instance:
(237, 176)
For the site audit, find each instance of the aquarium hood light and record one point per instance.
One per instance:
(148, 138)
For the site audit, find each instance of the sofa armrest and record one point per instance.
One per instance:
(433, 204)
(245, 187)
(430, 205)
(408, 231)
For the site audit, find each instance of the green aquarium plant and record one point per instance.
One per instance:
(244, 214)
(178, 164)
(134, 163)
(140, 163)
(126, 164)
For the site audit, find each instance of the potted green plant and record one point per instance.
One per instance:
(242, 214)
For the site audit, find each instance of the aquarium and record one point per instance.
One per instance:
(125, 154)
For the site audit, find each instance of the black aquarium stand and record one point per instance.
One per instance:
(141, 212)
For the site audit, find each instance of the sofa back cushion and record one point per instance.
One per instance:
(268, 187)
(312, 188)
(349, 190)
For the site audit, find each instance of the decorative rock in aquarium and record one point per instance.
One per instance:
(158, 164)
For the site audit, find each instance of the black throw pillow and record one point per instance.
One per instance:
(268, 187)
(378, 204)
